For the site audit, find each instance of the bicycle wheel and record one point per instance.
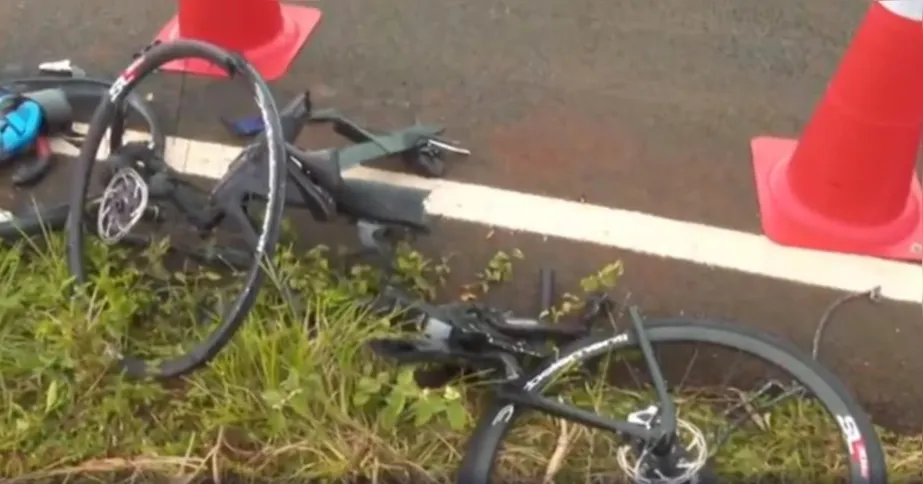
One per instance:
(108, 113)
(16, 226)
(851, 430)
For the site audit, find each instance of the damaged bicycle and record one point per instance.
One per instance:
(683, 400)
(220, 231)
(648, 434)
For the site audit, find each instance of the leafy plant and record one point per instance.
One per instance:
(295, 396)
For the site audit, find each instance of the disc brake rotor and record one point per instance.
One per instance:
(122, 205)
(639, 466)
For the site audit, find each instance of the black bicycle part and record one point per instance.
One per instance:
(867, 464)
(456, 365)
(37, 221)
(474, 337)
(413, 143)
(321, 189)
(35, 166)
(384, 214)
(547, 293)
(204, 214)
(426, 160)
(355, 198)
(317, 177)
(84, 89)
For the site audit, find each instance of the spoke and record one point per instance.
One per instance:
(753, 413)
(682, 382)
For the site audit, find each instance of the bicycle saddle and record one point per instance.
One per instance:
(323, 165)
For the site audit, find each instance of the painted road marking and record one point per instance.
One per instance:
(622, 229)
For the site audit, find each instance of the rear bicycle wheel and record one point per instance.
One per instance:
(495, 453)
(35, 221)
(106, 116)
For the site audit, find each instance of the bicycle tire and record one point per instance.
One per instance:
(486, 441)
(103, 117)
(16, 227)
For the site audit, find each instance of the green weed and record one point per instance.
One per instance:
(278, 403)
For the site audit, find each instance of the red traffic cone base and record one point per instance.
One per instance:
(787, 221)
(269, 35)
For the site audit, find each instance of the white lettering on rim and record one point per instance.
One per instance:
(506, 413)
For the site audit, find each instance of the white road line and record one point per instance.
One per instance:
(610, 227)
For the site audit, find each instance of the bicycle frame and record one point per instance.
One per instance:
(507, 341)
(661, 432)
(316, 187)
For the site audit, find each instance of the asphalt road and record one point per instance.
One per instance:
(645, 106)
(637, 105)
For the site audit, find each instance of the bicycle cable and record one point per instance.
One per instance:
(873, 295)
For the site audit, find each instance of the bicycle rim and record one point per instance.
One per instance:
(18, 227)
(859, 440)
(106, 115)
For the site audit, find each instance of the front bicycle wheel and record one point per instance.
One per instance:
(784, 435)
(132, 193)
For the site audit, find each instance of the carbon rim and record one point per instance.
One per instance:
(104, 118)
(859, 441)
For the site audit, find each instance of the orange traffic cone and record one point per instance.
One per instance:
(848, 184)
(266, 33)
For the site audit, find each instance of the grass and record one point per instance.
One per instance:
(278, 404)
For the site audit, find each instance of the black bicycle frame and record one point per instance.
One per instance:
(205, 213)
(661, 433)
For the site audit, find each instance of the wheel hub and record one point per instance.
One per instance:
(122, 206)
(680, 465)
